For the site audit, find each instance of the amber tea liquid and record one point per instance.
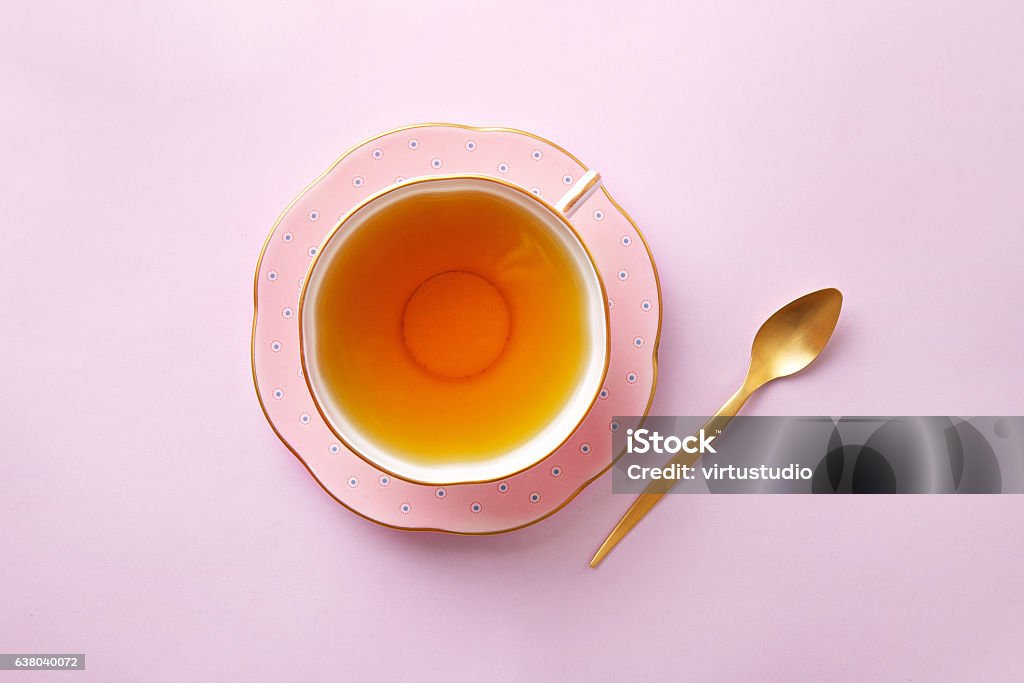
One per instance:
(450, 327)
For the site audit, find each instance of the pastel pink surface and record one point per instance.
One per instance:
(152, 520)
(618, 251)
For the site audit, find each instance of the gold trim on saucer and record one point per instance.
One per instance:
(256, 280)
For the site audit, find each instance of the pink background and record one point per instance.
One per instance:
(151, 519)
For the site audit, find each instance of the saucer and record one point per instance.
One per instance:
(619, 252)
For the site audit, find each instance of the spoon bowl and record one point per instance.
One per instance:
(794, 336)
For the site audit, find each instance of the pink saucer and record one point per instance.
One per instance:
(634, 302)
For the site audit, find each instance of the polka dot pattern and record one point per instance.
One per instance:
(617, 247)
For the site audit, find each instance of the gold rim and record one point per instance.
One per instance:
(252, 338)
(429, 179)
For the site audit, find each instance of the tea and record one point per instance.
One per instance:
(451, 327)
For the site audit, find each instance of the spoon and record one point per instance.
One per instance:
(786, 344)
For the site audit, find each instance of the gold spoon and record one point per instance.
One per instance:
(786, 344)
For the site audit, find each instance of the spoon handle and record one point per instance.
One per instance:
(659, 487)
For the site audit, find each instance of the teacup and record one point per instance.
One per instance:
(454, 329)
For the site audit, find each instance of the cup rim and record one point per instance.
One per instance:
(562, 218)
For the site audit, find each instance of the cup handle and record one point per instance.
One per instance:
(580, 192)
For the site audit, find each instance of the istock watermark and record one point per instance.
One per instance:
(645, 440)
(822, 455)
(641, 441)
